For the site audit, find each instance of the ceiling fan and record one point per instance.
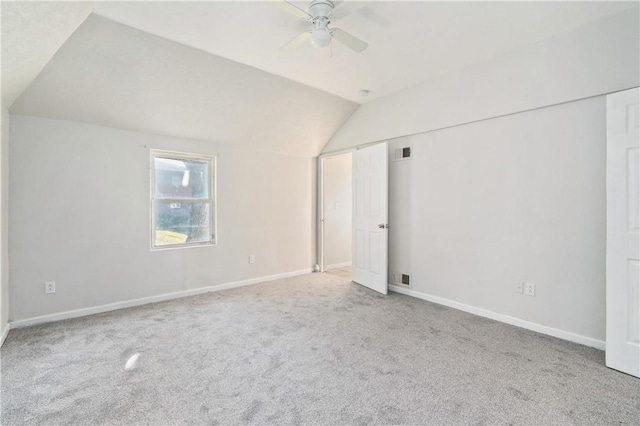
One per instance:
(320, 14)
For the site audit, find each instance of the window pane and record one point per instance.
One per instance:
(181, 178)
(180, 223)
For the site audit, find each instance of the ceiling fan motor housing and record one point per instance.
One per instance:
(321, 9)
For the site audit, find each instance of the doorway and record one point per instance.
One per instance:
(335, 212)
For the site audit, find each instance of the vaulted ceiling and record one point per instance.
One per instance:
(113, 75)
(31, 34)
(409, 41)
(213, 69)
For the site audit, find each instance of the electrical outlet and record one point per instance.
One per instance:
(520, 288)
(50, 287)
(252, 259)
(530, 289)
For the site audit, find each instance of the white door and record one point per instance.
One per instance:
(369, 260)
(623, 231)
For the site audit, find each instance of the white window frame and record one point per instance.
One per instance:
(211, 160)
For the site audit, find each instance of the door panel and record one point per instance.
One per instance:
(623, 231)
(370, 175)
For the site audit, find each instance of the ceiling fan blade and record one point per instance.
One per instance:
(302, 38)
(344, 8)
(352, 42)
(294, 10)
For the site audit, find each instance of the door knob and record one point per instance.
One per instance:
(383, 225)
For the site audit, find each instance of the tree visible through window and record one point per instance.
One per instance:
(182, 199)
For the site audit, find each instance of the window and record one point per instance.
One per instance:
(182, 200)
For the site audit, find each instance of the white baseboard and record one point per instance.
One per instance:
(146, 300)
(338, 265)
(566, 335)
(3, 334)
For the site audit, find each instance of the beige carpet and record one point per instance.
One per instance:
(315, 349)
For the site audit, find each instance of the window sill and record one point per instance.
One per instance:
(183, 246)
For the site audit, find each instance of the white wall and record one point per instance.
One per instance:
(4, 223)
(484, 206)
(507, 180)
(79, 215)
(337, 210)
(595, 59)
(400, 211)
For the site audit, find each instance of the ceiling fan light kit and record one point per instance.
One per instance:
(320, 14)
(320, 36)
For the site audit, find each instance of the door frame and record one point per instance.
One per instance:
(320, 197)
(320, 257)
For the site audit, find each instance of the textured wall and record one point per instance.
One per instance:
(80, 215)
(484, 206)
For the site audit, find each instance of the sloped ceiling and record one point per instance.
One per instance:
(32, 32)
(409, 41)
(113, 75)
